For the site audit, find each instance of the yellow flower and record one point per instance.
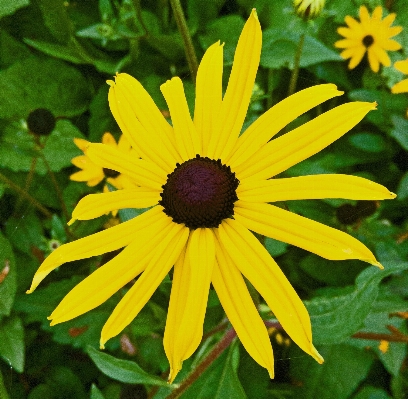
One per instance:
(401, 87)
(308, 8)
(371, 35)
(209, 187)
(93, 174)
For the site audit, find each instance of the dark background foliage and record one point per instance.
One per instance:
(57, 55)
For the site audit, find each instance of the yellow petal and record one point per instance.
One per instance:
(165, 255)
(400, 87)
(261, 270)
(358, 54)
(130, 102)
(144, 173)
(272, 121)
(373, 60)
(240, 85)
(346, 32)
(364, 16)
(381, 55)
(302, 232)
(377, 13)
(95, 205)
(81, 143)
(208, 94)
(184, 328)
(187, 139)
(346, 43)
(113, 275)
(312, 187)
(391, 45)
(96, 244)
(108, 139)
(241, 311)
(303, 142)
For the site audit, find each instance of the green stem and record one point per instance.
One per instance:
(295, 72)
(185, 35)
(27, 196)
(27, 185)
(138, 10)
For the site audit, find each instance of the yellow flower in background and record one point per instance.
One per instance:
(308, 8)
(372, 35)
(93, 174)
(401, 87)
(209, 188)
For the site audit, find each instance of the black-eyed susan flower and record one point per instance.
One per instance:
(401, 87)
(308, 8)
(372, 35)
(209, 188)
(92, 173)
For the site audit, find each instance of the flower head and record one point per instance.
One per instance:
(308, 8)
(401, 87)
(92, 173)
(208, 187)
(372, 35)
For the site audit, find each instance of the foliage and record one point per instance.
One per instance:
(57, 55)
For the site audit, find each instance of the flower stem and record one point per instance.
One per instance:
(295, 72)
(223, 344)
(185, 35)
(27, 196)
(138, 11)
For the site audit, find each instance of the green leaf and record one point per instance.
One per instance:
(274, 247)
(96, 393)
(8, 7)
(60, 148)
(42, 391)
(369, 142)
(343, 369)
(220, 380)
(402, 190)
(400, 131)
(64, 381)
(42, 83)
(8, 276)
(11, 50)
(201, 12)
(12, 346)
(369, 392)
(337, 317)
(3, 391)
(122, 370)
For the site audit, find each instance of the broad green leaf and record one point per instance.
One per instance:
(12, 348)
(400, 131)
(41, 391)
(8, 7)
(11, 50)
(42, 83)
(60, 148)
(96, 393)
(274, 247)
(370, 392)
(220, 380)
(123, 370)
(369, 142)
(343, 369)
(338, 317)
(8, 276)
(402, 191)
(201, 12)
(65, 383)
(3, 391)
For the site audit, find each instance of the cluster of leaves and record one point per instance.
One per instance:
(56, 55)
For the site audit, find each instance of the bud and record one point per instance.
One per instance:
(41, 122)
(308, 9)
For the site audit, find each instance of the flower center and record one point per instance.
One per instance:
(110, 172)
(200, 193)
(368, 40)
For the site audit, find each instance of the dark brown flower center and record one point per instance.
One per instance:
(41, 121)
(200, 193)
(110, 172)
(368, 40)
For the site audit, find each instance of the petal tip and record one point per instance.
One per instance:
(376, 263)
(316, 355)
(71, 222)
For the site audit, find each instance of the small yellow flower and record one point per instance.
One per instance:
(308, 8)
(401, 87)
(93, 174)
(371, 35)
(383, 346)
(209, 187)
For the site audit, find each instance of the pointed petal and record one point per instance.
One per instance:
(347, 43)
(373, 60)
(96, 244)
(240, 85)
(95, 205)
(303, 142)
(144, 173)
(394, 31)
(357, 56)
(364, 15)
(302, 232)
(255, 263)
(241, 311)
(165, 255)
(276, 118)
(187, 139)
(391, 45)
(184, 328)
(312, 187)
(377, 13)
(113, 275)
(381, 55)
(389, 19)
(346, 32)
(402, 66)
(141, 121)
(400, 87)
(208, 94)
